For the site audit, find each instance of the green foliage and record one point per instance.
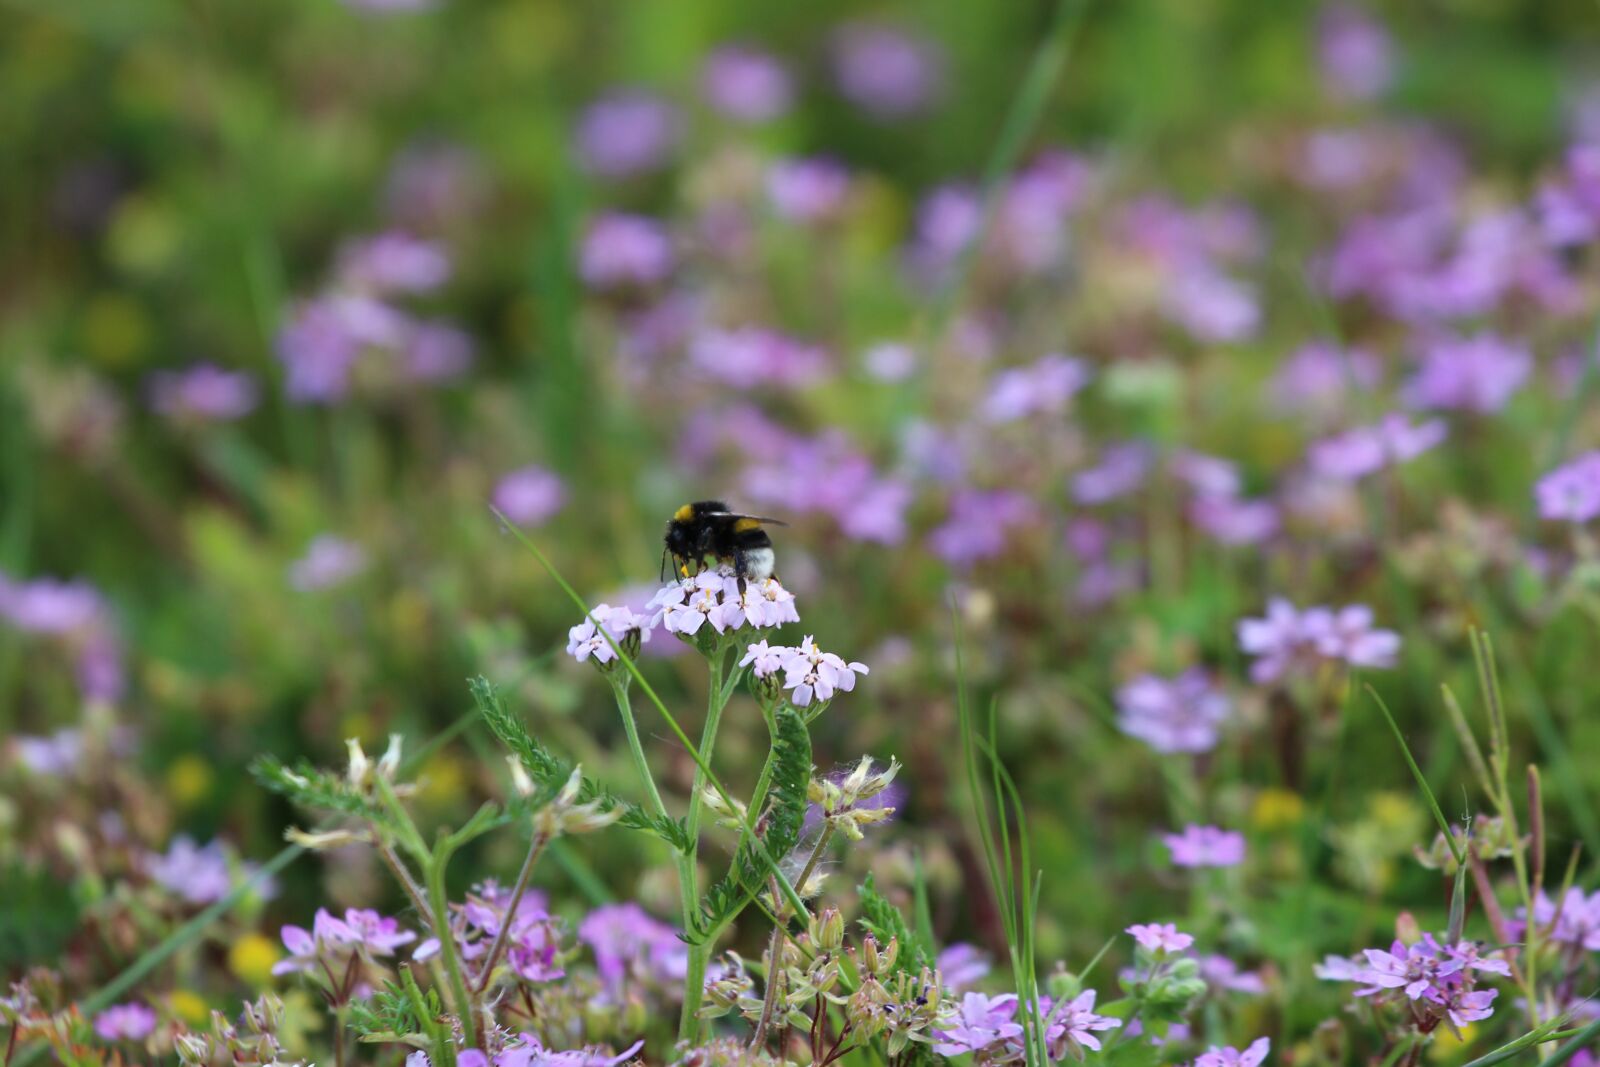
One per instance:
(551, 773)
(780, 829)
(310, 787)
(403, 1011)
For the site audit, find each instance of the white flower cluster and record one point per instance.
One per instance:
(808, 672)
(684, 607)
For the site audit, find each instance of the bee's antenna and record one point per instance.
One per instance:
(663, 575)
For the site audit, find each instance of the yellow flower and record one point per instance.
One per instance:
(1447, 1045)
(189, 780)
(189, 1006)
(1277, 809)
(251, 959)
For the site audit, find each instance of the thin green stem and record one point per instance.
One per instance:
(619, 688)
(440, 906)
(694, 982)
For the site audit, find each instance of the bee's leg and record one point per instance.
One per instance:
(738, 564)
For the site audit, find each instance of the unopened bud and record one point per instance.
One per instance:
(827, 930)
(389, 764)
(360, 766)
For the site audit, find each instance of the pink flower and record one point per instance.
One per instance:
(125, 1022)
(1205, 846)
(1571, 492)
(1232, 1057)
(530, 496)
(1160, 937)
(203, 392)
(586, 640)
(816, 675)
(625, 250)
(329, 561)
(746, 84)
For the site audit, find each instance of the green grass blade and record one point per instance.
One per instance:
(1422, 782)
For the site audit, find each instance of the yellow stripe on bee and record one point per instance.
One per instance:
(683, 514)
(746, 525)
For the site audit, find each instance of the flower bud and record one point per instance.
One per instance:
(827, 930)
(360, 766)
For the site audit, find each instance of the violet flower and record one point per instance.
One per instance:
(125, 1022)
(626, 133)
(1477, 374)
(1570, 492)
(1205, 846)
(1160, 938)
(1231, 1057)
(202, 393)
(622, 250)
(530, 496)
(329, 561)
(746, 84)
(809, 191)
(887, 72)
(1181, 714)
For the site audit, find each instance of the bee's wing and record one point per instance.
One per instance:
(764, 520)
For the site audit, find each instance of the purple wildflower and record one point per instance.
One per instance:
(530, 496)
(201, 393)
(1356, 55)
(746, 84)
(626, 939)
(750, 356)
(1231, 1057)
(1070, 1026)
(1045, 387)
(1222, 973)
(1359, 452)
(361, 932)
(1288, 640)
(961, 964)
(1469, 374)
(1575, 922)
(626, 133)
(887, 72)
(979, 524)
(198, 874)
(1122, 469)
(393, 262)
(1205, 846)
(585, 640)
(1181, 714)
(808, 191)
(530, 1052)
(1233, 520)
(435, 352)
(1211, 306)
(1160, 938)
(812, 674)
(1571, 492)
(125, 1022)
(625, 250)
(329, 561)
(1438, 981)
(981, 1023)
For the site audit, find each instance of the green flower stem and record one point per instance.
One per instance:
(619, 688)
(440, 906)
(717, 695)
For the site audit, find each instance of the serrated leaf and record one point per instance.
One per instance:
(550, 772)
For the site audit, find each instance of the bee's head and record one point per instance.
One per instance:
(680, 532)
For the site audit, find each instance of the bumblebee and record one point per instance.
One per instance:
(707, 529)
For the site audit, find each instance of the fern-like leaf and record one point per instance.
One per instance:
(786, 813)
(550, 772)
(311, 787)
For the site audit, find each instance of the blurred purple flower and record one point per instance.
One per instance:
(746, 84)
(626, 939)
(51, 607)
(808, 191)
(329, 561)
(1160, 937)
(750, 356)
(200, 874)
(1212, 306)
(530, 496)
(1222, 973)
(1235, 521)
(53, 755)
(125, 1022)
(1575, 922)
(1044, 387)
(961, 964)
(1477, 373)
(625, 250)
(1229, 1056)
(1181, 714)
(432, 185)
(1365, 450)
(1205, 846)
(625, 133)
(202, 392)
(1288, 640)
(393, 262)
(978, 524)
(324, 338)
(887, 72)
(1122, 470)
(1317, 378)
(1569, 493)
(890, 361)
(1355, 52)
(436, 352)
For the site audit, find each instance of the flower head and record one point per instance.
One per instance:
(1205, 846)
(125, 1022)
(1232, 1057)
(1287, 640)
(203, 392)
(329, 561)
(625, 628)
(814, 675)
(746, 84)
(1571, 492)
(1160, 937)
(1182, 714)
(530, 496)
